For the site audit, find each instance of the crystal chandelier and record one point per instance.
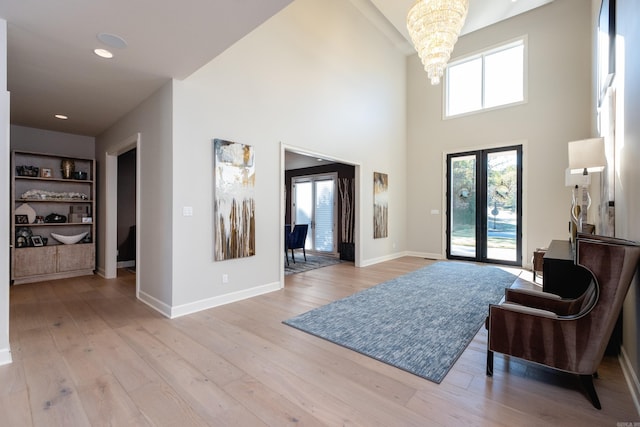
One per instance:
(434, 27)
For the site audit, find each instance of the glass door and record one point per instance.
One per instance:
(314, 201)
(484, 215)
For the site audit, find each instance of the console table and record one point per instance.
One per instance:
(561, 276)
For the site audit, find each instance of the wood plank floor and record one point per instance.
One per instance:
(86, 352)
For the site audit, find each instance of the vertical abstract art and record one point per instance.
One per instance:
(380, 204)
(234, 201)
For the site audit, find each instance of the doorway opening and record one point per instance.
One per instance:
(484, 205)
(333, 179)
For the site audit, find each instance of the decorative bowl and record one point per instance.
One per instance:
(69, 240)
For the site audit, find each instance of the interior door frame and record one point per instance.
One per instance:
(481, 202)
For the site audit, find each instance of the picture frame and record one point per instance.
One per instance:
(22, 219)
(46, 173)
(37, 241)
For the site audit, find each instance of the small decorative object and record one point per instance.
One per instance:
(46, 173)
(87, 219)
(31, 171)
(69, 240)
(25, 209)
(80, 175)
(21, 242)
(55, 218)
(22, 219)
(45, 240)
(23, 237)
(68, 167)
(39, 219)
(37, 241)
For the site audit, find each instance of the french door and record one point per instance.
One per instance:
(484, 205)
(314, 203)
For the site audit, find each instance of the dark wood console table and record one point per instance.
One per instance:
(561, 276)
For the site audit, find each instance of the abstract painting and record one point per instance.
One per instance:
(234, 201)
(380, 204)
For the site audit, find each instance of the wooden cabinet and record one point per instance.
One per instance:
(51, 195)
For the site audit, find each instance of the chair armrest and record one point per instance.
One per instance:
(528, 310)
(539, 300)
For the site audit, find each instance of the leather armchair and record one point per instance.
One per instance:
(569, 335)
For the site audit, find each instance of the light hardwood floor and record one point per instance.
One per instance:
(87, 353)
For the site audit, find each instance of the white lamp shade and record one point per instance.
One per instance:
(587, 154)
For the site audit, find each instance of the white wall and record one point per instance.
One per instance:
(317, 76)
(153, 120)
(5, 350)
(558, 111)
(52, 142)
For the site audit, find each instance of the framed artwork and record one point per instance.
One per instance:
(22, 219)
(606, 47)
(37, 241)
(46, 173)
(380, 205)
(234, 200)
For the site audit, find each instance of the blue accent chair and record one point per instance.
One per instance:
(297, 239)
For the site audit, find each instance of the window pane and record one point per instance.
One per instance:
(504, 78)
(464, 83)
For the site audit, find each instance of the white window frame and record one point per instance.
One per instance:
(523, 40)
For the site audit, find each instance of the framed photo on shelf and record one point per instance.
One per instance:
(22, 219)
(37, 241)
(46, 173)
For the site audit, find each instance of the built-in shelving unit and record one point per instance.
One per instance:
(51, 197)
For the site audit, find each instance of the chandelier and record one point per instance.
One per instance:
(434, 27)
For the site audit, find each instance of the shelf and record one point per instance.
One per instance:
(54, 201)
(38, 178)
(54, 224)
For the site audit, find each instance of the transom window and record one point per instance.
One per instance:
(490, 79)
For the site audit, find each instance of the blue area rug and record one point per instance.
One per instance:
(313, 262)
(420, 322)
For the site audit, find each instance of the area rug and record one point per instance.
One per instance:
(312, 262)
(420, 322)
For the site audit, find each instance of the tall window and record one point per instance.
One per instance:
(486, 80)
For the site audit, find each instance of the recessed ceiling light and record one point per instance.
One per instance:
(103, 53)
(112, 40)
(61, 117)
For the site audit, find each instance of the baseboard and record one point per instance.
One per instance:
(397, 255)
(126, 264)
(631, 378)
(5, 356)
(156, 304)
(373, 261)
(183, 310)
(100, 272)
(426, 255)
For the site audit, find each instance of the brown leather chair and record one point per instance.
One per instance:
(570, 335)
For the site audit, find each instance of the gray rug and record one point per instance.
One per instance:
(420, 322)
(312, 262)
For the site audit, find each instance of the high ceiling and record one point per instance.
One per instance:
(52, 69)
